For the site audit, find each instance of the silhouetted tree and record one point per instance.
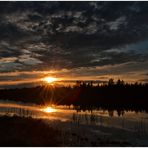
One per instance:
(111, 82)
(86, 96)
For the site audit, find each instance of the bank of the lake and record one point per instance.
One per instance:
(70, 127)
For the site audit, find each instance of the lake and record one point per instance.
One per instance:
(128, 119)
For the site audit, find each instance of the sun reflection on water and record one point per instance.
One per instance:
(48, 109)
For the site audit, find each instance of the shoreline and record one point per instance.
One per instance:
(64, 133)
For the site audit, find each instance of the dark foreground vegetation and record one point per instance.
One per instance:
(28, 132)
(114, 95)
(18, 131)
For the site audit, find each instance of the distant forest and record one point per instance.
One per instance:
(85, 95)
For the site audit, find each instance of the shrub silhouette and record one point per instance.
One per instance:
(19, 131)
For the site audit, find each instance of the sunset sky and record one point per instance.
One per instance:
(73, 41)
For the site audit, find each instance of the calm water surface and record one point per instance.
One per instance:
(128, 120)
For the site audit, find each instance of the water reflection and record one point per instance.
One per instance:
(111, 113)
(122, 119)
(119, 113)
(64, 111)
(48, 109)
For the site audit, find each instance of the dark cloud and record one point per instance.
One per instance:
(72, 35)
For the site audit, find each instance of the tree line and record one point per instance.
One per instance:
(85, 95)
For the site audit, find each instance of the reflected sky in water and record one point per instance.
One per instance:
(66, 113)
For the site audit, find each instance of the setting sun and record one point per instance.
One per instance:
(49, 79)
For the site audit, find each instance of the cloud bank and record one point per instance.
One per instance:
(85, 39)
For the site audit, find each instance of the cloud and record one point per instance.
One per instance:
(67, 35)
(27, 60)
(114, 25)
(8, 60)
(143, 80)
